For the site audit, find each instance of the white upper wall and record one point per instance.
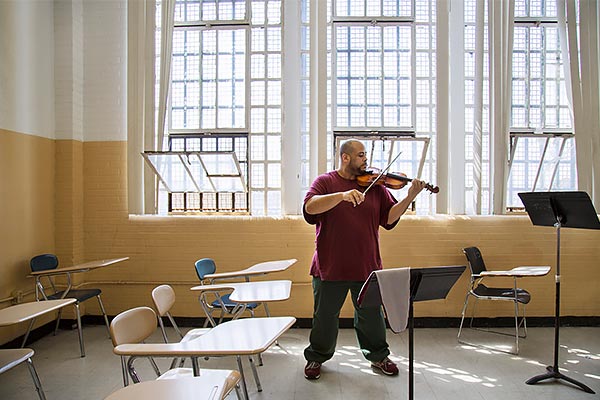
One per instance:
(68, 69)
(105, 70)
(63, 68)
(27, 67)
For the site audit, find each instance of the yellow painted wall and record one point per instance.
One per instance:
(92, 222)
(27, 203)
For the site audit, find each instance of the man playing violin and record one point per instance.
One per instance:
(347, 251)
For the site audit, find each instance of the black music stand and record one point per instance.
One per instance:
(431, 283)
(560, 210)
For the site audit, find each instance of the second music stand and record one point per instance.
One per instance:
(560, 210)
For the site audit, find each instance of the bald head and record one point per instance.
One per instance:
(349, 147)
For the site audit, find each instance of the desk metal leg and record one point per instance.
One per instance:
(104, 314)
(195, 366)
(27, 333)
(241, 369)
(57, 322)
(266, 309)
(79, 330)
(255, 373)
(36, 379)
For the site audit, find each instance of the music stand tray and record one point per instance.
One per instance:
(560, 210)
(432, 283)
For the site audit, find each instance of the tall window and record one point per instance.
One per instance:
(383, 82)
(542, 144)
(225, 96)
(542, 147)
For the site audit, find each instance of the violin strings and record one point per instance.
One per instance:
(383, 171)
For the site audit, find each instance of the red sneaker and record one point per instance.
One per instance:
(312, 370)
(386, 366)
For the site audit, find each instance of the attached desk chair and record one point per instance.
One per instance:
(242, 294)
(247, 336)
(478, 290)
(46, 265)
(29, 311)
(10, 358)
(206, 271)
(133, 326)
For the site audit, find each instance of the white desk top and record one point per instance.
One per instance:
(26, 311)
(251, 292)
(166, 389)
(257, 269)
(245, 336)
(523, 271)
(10, 358)
(80, 267)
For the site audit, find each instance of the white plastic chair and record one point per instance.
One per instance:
(163, 297)
(136, 325)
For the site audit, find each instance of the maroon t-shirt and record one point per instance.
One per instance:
(347, 243)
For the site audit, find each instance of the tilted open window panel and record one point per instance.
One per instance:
(543, 161)
(198, 181)
(383, 147)
(406, 152)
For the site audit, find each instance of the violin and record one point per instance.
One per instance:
(391, 180)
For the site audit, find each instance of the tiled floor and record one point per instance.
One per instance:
(444, 369)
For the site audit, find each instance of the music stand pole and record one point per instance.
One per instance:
(553, 370)
(411, 349)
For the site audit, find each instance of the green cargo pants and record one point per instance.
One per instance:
(369, 323)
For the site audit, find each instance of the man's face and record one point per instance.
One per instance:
(358, 159)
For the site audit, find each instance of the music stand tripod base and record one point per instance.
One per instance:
(555, 374)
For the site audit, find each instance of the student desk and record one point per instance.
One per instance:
(245, 293)
(77, 294)
(262, 268)
(87, 266)
(30, 311)
(10, 358)
(248, 336)
(519, 272)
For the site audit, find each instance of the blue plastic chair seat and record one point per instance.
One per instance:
(80, 294)
(231, 304)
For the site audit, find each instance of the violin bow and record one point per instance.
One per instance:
(383, 171)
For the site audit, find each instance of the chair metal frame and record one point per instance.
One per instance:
(49, 262)
(480, 291)
(10, 358)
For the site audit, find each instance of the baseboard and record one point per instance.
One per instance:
(420, 322)
(445, 322)
(344, 323)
